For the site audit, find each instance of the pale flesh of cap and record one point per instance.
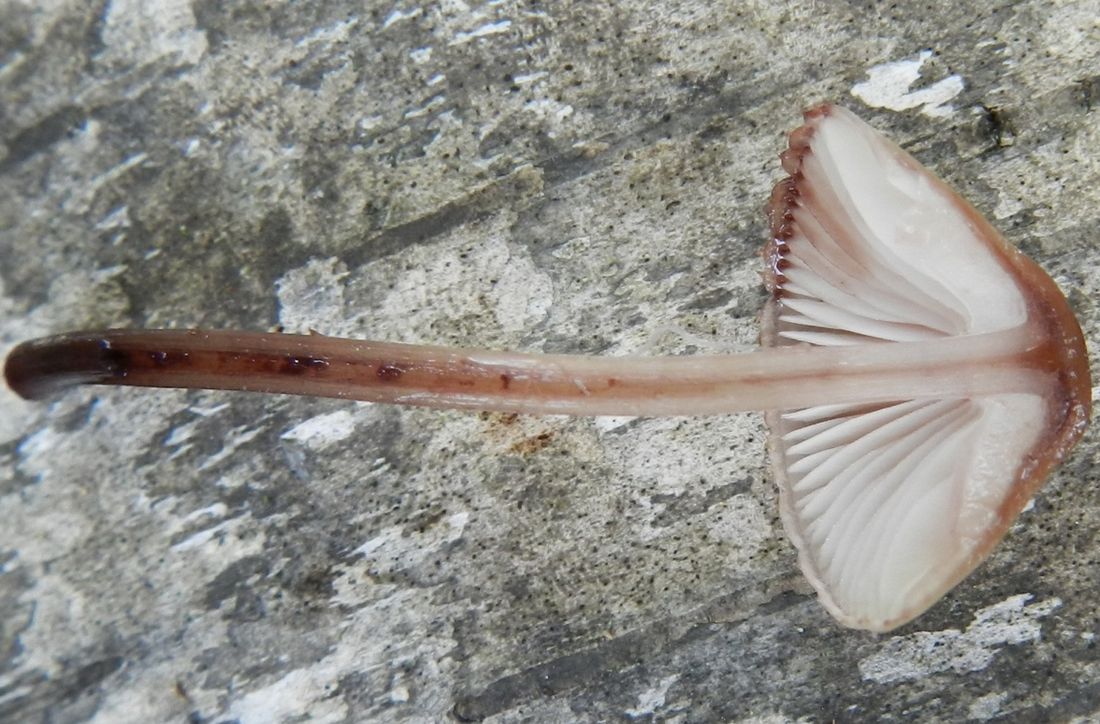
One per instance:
(890, 504)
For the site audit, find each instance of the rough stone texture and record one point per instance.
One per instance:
(561, 176)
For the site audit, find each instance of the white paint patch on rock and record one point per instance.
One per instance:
(180, 434)
(551, 113)
(396, 548)
(202, 537)
(384, 638)
(217, 510)
(906, 658)
(81, 201)
(1007, 206)
(142, 31)
(312, 297)
(119, 217)
(232, 537)
(421, 111)
(331, 34)
(397, 15)
(462, 37)
(610, 423)
(234, 440)
(887, 86)
(986, 707)
(652, 699)
(318, 433)
(526, 78)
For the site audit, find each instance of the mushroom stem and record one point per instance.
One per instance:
(776, 378)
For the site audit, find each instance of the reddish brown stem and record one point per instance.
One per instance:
(775, 378)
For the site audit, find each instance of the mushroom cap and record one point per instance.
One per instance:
(890, 504)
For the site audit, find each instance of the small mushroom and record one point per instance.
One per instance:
(920, 376)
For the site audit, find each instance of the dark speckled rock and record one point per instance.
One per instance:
(560, 176)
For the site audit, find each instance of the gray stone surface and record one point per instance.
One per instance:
(561, 176)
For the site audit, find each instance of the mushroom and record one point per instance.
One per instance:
(920, 377)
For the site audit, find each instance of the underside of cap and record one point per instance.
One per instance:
(891, 504)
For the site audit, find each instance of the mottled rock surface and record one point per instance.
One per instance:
(559, 176)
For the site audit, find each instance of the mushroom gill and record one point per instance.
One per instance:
(892, 503)
(920, 376)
